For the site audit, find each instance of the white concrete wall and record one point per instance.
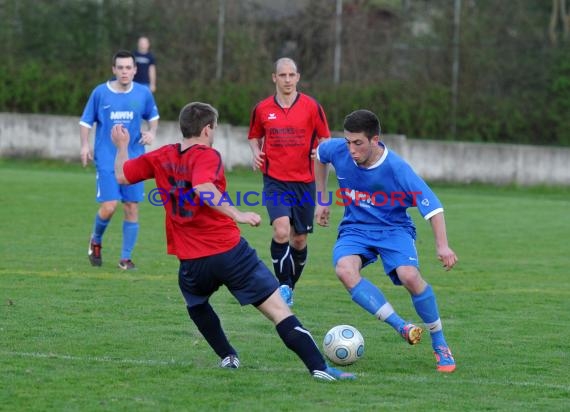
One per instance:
(58, 137)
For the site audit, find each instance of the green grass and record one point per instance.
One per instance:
(77, 338)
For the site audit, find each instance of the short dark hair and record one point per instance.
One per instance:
(195, 116)
(363, 121)
(123, 54)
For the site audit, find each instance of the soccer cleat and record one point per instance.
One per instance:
(126, 264)
(230, 362)
(94, 253)
(444, 359)
(332, 374)
(411, 333)
(287, 294)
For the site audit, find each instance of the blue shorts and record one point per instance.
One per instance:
(396, 247)
(293, 199)
(239, 269)
(109, 189)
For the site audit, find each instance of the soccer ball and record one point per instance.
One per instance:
(343, 345)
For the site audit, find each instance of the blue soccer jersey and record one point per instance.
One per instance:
(377, 198)
(107, 107)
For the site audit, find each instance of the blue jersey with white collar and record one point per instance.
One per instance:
(107, 107)
(377, 198)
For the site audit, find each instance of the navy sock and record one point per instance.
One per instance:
(300, 341)
(299, 260)
(282, 262)
(208, 323)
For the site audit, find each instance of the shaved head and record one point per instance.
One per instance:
(284, 61)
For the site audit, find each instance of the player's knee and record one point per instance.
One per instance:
(347, 275)
(299, 242)
(411, 279)
(131, 211)
(107, 209)
(274, 308)
(281, 233)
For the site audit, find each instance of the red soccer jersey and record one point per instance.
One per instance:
(193, 229)
(290, 135)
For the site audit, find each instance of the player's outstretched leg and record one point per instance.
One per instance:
(208, 323)
(371, 299)
(299, 340)
(426, 306)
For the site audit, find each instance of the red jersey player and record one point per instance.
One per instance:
(284, 132)
(202, 231)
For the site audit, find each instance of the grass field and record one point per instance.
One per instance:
(77, 338)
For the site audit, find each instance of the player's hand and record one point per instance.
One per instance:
(250, 218)
(314, 153)
(120, 135)
(147, 137)
(258, 159)
(86, 155)
(447, 256)
(322, 215)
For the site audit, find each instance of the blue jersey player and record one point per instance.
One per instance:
(117, 101)
(376, 187)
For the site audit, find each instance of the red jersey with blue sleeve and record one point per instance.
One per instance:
(193, 228)
(377, 197)
(289, 135)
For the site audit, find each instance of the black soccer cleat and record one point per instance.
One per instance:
(230, 362)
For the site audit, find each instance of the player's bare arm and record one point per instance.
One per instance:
(314, 151)
(444, 253)
(256, 146)
(86, 154)
(322, 212)
(210, 192)
(120, 137)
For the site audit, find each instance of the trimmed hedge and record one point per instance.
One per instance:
(418, 111)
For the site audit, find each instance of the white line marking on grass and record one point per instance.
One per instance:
(451, 378)
(151, 362)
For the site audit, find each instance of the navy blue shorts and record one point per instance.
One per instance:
(293, 199)
(239, 269)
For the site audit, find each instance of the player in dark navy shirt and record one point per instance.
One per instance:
(146, 64)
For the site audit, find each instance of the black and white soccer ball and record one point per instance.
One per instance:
(343, 345)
